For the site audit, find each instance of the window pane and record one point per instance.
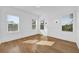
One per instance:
(42, 25)
(33, 24)
(67, 23)
(13, 22)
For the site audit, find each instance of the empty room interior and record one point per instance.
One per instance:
(39, 29)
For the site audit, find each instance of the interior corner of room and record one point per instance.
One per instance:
(57, 23)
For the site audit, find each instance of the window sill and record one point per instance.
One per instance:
(13, 31)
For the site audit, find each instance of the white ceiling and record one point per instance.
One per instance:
(52, 11)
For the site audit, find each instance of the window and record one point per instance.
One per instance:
(13, 23)
(67, 23)
(42, 25)
(33, 24)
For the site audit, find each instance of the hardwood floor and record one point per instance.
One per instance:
(17, 46)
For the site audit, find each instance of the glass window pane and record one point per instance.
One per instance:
(67, 23)
(13, 22)
(42, 25)
(33, 24)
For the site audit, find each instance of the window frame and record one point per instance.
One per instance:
(42, 23)
(69, 16)
(34, 24)
(8, 23)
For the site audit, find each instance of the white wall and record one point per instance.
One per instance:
(77, 26)
(55, 29)
(25, 29)
(25, 26)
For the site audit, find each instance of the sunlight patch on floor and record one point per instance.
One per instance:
(48, 43)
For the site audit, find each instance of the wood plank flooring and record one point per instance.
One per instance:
(17, 46)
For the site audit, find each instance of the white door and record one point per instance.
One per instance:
(43, 26)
